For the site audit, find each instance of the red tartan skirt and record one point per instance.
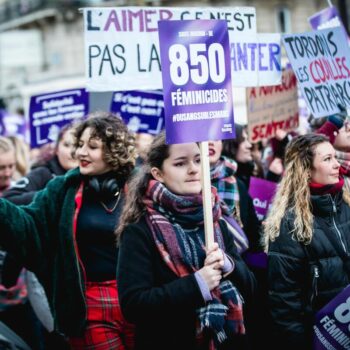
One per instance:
(106, 327)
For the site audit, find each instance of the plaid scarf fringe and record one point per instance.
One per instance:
(222, 319)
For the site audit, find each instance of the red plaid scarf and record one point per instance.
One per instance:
(168, 215)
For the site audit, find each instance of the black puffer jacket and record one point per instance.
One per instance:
(302, 279)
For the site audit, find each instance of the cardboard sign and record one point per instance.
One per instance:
(321, 62)
(270, 108)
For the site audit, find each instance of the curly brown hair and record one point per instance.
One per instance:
(118, 143)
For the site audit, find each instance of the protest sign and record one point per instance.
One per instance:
(2, 124)
(262, 193)
(122, 46)
(141, 111)
(49, 112)
(197, 80)
(15, 125)
(321, 62)
(270, 108)
(258, 56)
(327, 18)
(197, 92)
(12, 124)
(332, 326)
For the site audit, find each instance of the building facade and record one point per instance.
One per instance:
(42, 44)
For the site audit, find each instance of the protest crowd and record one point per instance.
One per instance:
(104, 228)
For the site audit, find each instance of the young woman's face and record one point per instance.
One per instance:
(90, 155)
(180, 172)
(244, 151)
(325, 169)
(215, 149)
(342, 140)
(64, 151)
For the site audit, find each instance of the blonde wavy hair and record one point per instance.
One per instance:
(22, 157)
(118, 143)
(293, 193)
(6, 145)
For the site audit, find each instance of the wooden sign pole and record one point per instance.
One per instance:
(206, 194)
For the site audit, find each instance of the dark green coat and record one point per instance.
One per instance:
(41, 236)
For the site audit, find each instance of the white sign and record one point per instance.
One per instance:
(321, 62)
(122, 46)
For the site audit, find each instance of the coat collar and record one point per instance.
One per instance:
(326, 205)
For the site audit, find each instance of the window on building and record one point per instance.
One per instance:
(283, 20)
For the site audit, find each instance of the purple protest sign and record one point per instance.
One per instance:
(141, 111)
(15, 125)
(2, 124)
(49, 112)
(196, 74)
(262, 193)
(327, 18)
(332, 326)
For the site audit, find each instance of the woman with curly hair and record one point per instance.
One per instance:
(307, 235)
(66, 236)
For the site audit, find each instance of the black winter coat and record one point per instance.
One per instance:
(302, 279)
(25, 188)
(250, 221)
(162, 305)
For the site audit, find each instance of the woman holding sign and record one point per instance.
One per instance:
(178, 294)
(308, 239)
(66, 236)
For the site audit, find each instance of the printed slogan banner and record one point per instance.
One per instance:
(321, 62)
(141, 111)
(197, 81)
(49, 113)
(332, 326)
(122, 46)
(270, 108)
